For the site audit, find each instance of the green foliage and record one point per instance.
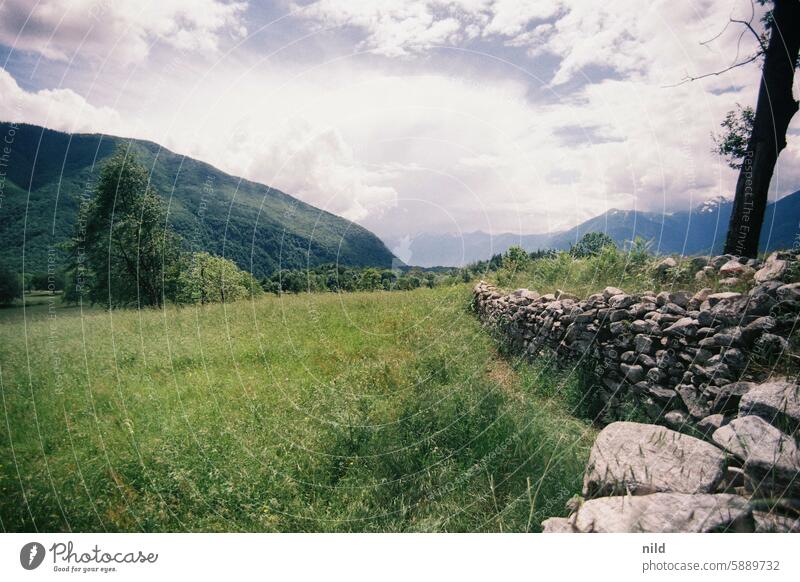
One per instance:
(515, 259)
(210, 279)
(591, 244)
(10, 286)
(737, 127)
(122, 245)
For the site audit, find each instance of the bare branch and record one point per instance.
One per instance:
(749, 26)
(689, 79)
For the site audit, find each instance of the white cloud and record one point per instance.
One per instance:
(661, 38)
(408, 148)
(121, 30)
(60, 109)
(314, 164)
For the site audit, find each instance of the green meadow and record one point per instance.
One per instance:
(383, 411)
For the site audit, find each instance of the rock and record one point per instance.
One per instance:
(769, 522)
(645, 326)
(727, 397)
(776, 401)
(662, 267)
(771, 271)
(720, 260)
(673, 309)
(697, 406)
(557, 525)
(676, 419)
(790, 292)
(736, 269)
(609, 292)
(621, 301)
(632, 373)
(685, 326)
(680, 298)
(618, 327)
(643, 344)
(629, 457)
(663, 298)
(715, 298)
(710, 423)
(526, 294)
(768, 454)
(753, 330)
(665, 513)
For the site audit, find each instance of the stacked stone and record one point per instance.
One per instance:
(680, 357)
(648, 478)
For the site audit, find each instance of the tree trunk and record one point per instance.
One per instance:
(774, 111)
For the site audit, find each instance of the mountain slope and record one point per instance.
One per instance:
(262, 229)
(699, 231)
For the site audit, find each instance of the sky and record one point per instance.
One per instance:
(407, 116)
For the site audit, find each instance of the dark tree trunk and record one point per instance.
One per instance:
(774, 111)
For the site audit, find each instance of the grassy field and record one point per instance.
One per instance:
(323, 412)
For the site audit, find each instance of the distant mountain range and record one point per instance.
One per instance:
(262, 229)
(700, 231)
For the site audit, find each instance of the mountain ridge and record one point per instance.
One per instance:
(698, 231)
(259, 227)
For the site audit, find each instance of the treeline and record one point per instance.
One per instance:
(338, 278)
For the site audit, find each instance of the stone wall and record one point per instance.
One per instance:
(679, 357)
(686, 360)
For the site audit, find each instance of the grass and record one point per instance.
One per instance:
(323, 412)
(633, 272)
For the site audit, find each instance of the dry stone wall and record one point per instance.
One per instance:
(732, 463)
(680, 357)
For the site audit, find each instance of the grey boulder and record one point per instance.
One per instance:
(665, 513)
(629, 457)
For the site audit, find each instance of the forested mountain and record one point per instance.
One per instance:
(260, 228)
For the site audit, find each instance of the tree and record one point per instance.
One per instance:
(10, 286)
(775, 108)
(123, 249)
(211, 279)
(591, 243)
(516, 258)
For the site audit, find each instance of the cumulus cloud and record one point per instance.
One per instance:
(121, 30)
(660, 38)
(314, 164)
(60, 109)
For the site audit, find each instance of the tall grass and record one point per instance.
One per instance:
(325, 412)
(631, 270)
